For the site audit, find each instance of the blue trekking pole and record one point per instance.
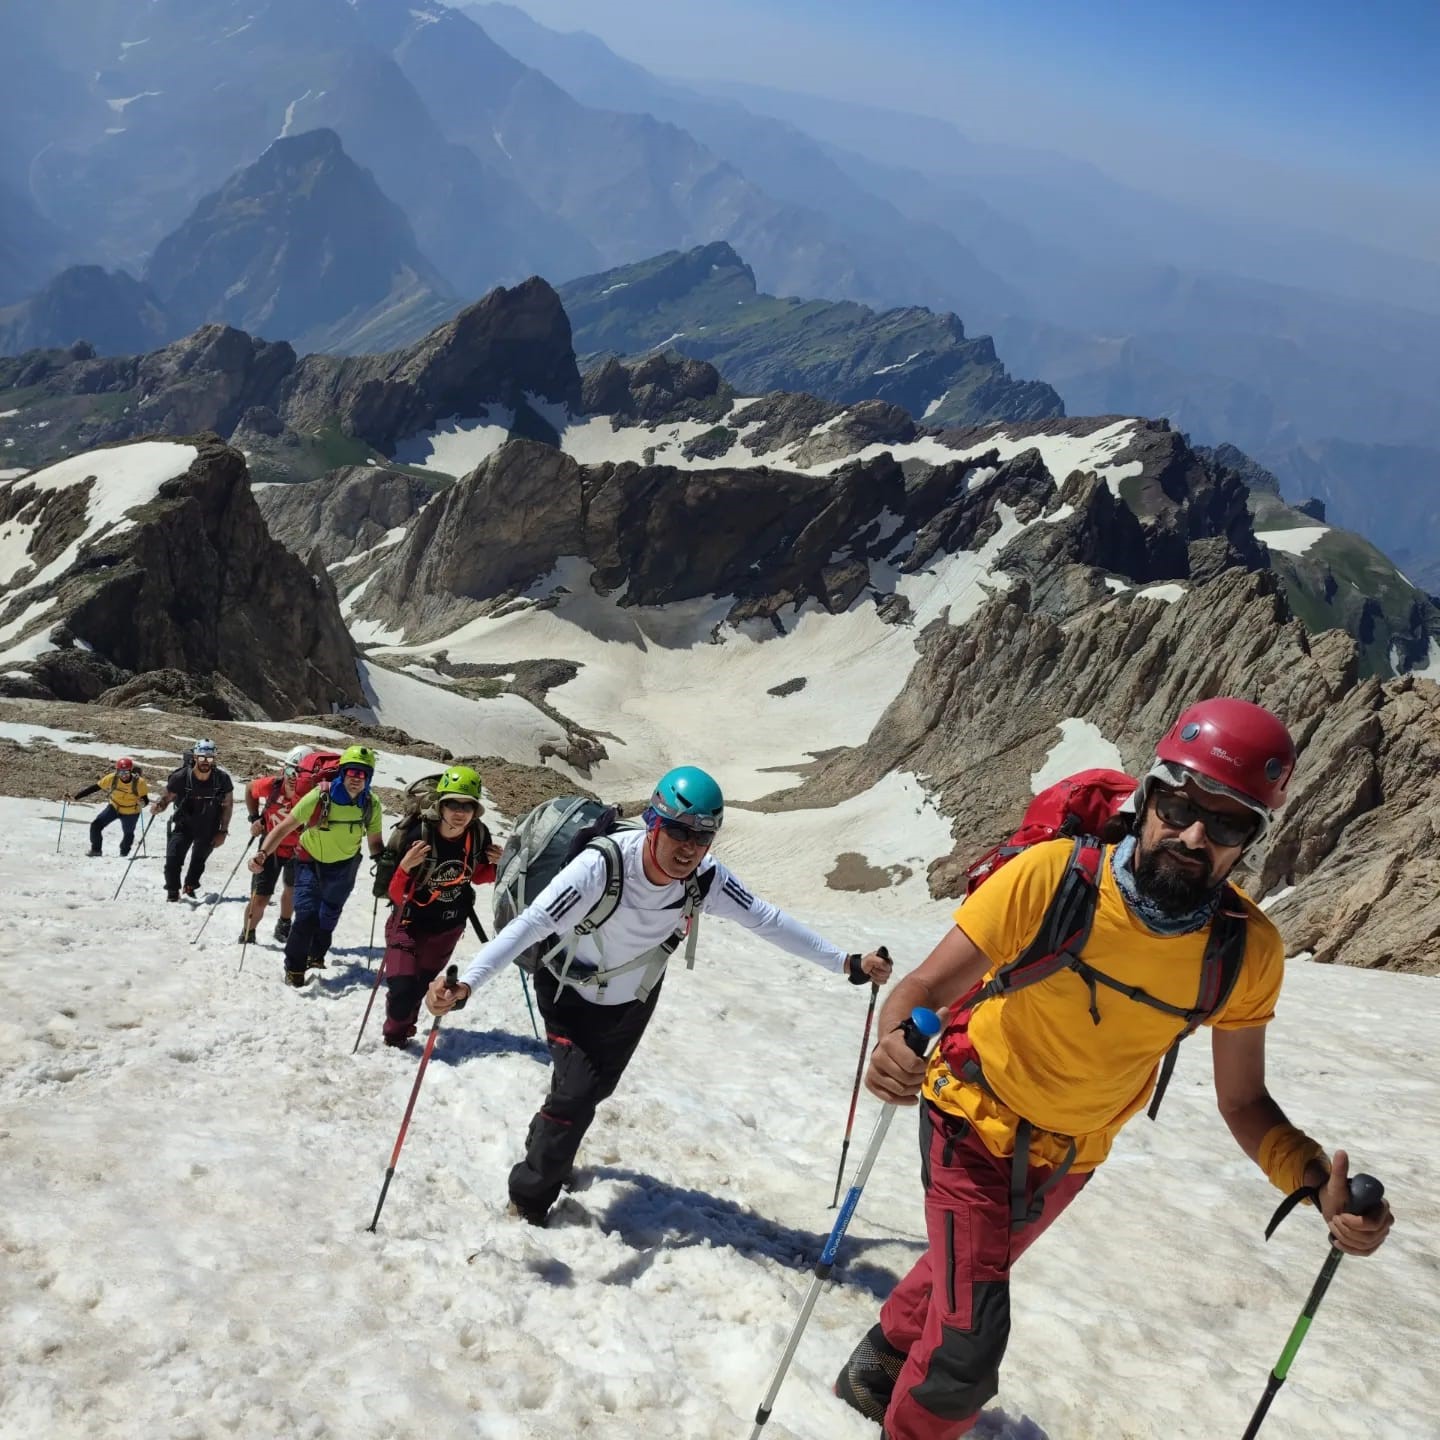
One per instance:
(922, 1029)
(1366, 1192)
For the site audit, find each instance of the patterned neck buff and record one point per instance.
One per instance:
(1145, 910)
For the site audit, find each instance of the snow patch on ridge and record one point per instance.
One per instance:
(125, 477)
(456, 447)
(1295, 541)
(1081, 746)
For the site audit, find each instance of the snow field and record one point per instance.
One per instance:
(656, 685)
(192, 1158)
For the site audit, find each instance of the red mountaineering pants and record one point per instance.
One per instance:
(950, 1316)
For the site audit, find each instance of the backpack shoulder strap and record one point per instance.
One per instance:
(1219, 970)
(1065, 928)
(609, 900)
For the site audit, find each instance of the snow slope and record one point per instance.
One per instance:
(191, 1158)
(660, 681)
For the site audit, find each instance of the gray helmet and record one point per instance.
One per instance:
(204, 748)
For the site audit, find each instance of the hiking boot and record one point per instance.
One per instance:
(315, 962)
(530, 1214)
(282, 930)
(247, 937)
(95, 850)
(868, 1379)
(189, 891)
(124, 851)
(297, 978)
(398, 1042)
(173, 895)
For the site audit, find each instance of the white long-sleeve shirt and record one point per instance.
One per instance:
(647, 915)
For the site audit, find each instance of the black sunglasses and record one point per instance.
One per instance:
(683, 834)
(1179, 812)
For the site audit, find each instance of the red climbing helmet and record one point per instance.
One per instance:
(124, 763)
(1237, 746)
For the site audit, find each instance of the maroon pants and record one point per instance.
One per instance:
(413, 958)
(951, 1313)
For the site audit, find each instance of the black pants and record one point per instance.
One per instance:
(108, 816)
(591, 1045)
(182, 839)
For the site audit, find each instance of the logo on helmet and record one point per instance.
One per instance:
(1220, 753)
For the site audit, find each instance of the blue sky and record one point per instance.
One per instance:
(1322, 112)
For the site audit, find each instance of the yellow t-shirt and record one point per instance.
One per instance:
(1043, 1055)
(127, 794)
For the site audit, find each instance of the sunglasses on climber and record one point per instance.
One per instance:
(685, 834)
(1178, 812)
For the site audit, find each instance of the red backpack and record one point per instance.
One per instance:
(1086, 808)
(319, 767)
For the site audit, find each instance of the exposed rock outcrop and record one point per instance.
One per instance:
(511, 344)
(185, 579)
(344, 514)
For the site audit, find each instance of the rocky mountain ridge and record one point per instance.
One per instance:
(704, 303)
(145, 574)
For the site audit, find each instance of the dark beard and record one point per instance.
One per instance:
(1174, 889)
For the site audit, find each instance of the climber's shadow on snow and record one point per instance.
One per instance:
(340, 980)
(652, 1215)
(457, 1045)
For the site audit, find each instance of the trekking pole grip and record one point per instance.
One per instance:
(1366, 1192)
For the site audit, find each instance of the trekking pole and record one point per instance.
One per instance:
(922, 1029)
(452, 976)
(524, 983)
(525, 986)
(370, 959)
(1366, 1192)
(366, 1020)
(859, 1071)
(64, 804)
(210, 913)
(133, 854)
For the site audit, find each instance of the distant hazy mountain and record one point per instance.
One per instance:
(113, 311)
(301, 246)
(182, 93)
(704, 303)
(906, 260)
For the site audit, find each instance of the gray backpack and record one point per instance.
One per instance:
(543, 842)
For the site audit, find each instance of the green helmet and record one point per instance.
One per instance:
(687, 796)
(358, 755)
(459, 780)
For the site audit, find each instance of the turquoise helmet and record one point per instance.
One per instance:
(687, 796)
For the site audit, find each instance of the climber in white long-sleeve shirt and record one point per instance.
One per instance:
(598, 993)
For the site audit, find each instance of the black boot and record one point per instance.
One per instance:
(247, 937)
(95, 850)
(297, 978)
(173, 895)
(282, 930)
(868, 1379)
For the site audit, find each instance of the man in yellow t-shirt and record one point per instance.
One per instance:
(1031, 1082)
(125, 790)
(333, 820)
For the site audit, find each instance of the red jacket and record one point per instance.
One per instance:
(269, 791)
